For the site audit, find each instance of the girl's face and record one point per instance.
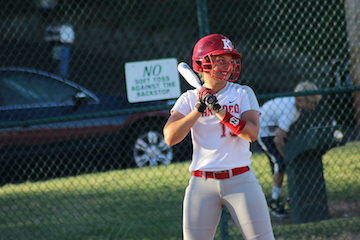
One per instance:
(223, 66)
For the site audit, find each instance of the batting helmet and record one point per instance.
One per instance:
(213, 45)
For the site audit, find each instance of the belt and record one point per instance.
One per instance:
(221, 174)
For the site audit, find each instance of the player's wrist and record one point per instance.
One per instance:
(236, 125)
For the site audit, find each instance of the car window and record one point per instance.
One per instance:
(25, 88)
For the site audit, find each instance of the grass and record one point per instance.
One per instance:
(146, 203)
(114, 205)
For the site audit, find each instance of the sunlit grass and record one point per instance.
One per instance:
(342, 171)
(145, 203)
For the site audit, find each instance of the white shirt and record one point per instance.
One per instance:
(277, 113)
(215, 147)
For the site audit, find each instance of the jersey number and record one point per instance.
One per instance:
(224, 131)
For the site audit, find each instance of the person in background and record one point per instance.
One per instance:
(276, 117)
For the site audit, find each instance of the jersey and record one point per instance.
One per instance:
(216, 147)
(277, 113)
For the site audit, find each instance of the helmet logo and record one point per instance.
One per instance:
(227, 44)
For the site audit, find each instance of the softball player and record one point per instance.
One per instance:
(276, 117)
(221, 130)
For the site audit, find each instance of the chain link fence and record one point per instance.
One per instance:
(79, 161)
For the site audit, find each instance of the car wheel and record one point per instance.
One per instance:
(144, 144)
(150, 149)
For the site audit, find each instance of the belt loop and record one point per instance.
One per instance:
(204, 175)
(230, 173)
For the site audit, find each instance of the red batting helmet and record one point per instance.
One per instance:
(212, 45)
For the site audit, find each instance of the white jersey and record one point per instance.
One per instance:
(277, 113)
(215, 147)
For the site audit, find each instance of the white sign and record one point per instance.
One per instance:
(152, 80)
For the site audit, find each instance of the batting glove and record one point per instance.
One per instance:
(200, 106)
(208, 97)
(214, 106)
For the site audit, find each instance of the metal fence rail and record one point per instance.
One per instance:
(78, 160)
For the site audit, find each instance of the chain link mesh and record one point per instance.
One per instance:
(78, 161)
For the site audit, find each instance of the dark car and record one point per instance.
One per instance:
(53, 127)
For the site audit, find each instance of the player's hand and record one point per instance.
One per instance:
(200, 106)
(208, 97)
(213, 105)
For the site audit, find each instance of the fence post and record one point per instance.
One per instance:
(203, 21)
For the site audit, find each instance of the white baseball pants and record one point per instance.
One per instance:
(243, 197)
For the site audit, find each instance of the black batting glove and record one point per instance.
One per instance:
(212, 104)
(207, 97)
(200, 106)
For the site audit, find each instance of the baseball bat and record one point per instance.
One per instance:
(193, 79)
(189, 75)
